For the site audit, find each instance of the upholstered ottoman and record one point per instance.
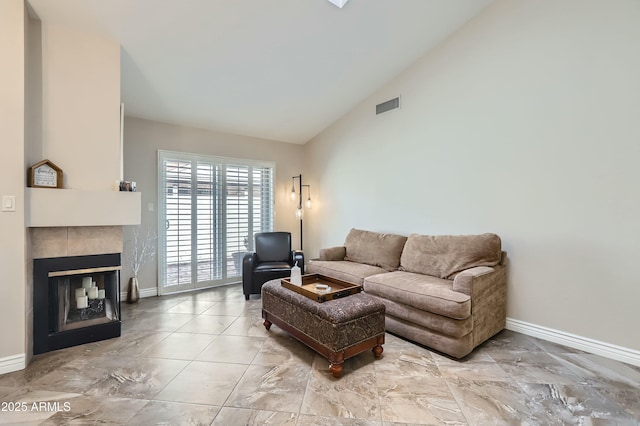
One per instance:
(337, 329)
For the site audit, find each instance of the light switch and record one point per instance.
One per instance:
(150, 207)
(8, 203)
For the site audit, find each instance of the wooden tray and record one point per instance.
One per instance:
(338, 288)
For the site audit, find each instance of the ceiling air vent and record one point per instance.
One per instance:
(388, 106)
(339, 3)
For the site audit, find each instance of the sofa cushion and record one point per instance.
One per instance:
(272, 266)
(457, 347)
(333, 253)
(374, 248)
(445, 255)
(423, 292)
(439, 323)
(351, 272)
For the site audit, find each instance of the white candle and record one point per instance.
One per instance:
(86, 282)
(80, 292)
(101, 294)
(82, 302)
(93, 293)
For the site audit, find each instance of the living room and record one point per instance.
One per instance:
(523, 123)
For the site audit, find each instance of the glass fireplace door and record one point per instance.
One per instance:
(83, 298)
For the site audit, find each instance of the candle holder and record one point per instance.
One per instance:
(95, 308)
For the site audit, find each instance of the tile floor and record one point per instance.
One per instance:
(205, 358)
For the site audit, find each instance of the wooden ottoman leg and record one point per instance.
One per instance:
(377, 349)
(266, 323)
(336, 370)
(336, 360)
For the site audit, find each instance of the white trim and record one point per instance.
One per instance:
(13, 363)
(152, 292)
(187, 156)
(608, 350)
(144, 292)
(148, 292)
(121, 141)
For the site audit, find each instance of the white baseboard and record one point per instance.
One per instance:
(144, 292)
(608, 350)
(149, 292)
(13, 363)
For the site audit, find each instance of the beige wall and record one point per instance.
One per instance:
(143, 139)
(81, 106)
(32, 148)
(59, 99)
(34, 151)
(12, 182)
(525, 123)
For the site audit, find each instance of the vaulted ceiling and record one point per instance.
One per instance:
(274, 69)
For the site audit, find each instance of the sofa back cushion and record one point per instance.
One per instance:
(373, 248)
(445, 255)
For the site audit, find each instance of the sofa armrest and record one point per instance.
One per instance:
(487, 287)
(249, 262)
(479, 280)
(333, 253)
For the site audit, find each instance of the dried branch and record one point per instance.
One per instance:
(142, 249)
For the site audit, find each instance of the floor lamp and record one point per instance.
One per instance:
(298, 194)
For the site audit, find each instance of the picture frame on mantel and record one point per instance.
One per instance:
(44, 174)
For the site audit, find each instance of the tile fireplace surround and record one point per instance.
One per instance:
(75, 241)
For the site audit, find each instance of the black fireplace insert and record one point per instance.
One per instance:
(76, 300)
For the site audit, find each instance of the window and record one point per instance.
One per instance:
(210, 208)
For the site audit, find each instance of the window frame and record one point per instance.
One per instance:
(266, 223)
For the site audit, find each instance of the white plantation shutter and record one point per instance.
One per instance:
(177, 221)
(237, 215)
(262, 197)
(207, 224)
(210, 208)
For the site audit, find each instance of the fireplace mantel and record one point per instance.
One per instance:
(73, 207)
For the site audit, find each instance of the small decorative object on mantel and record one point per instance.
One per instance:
(44, 174)
(127, 186)
(142, 250)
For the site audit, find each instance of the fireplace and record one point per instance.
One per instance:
(76, 300)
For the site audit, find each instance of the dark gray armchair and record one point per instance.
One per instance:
(272, 259)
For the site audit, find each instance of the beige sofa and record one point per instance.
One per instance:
(446, 292)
